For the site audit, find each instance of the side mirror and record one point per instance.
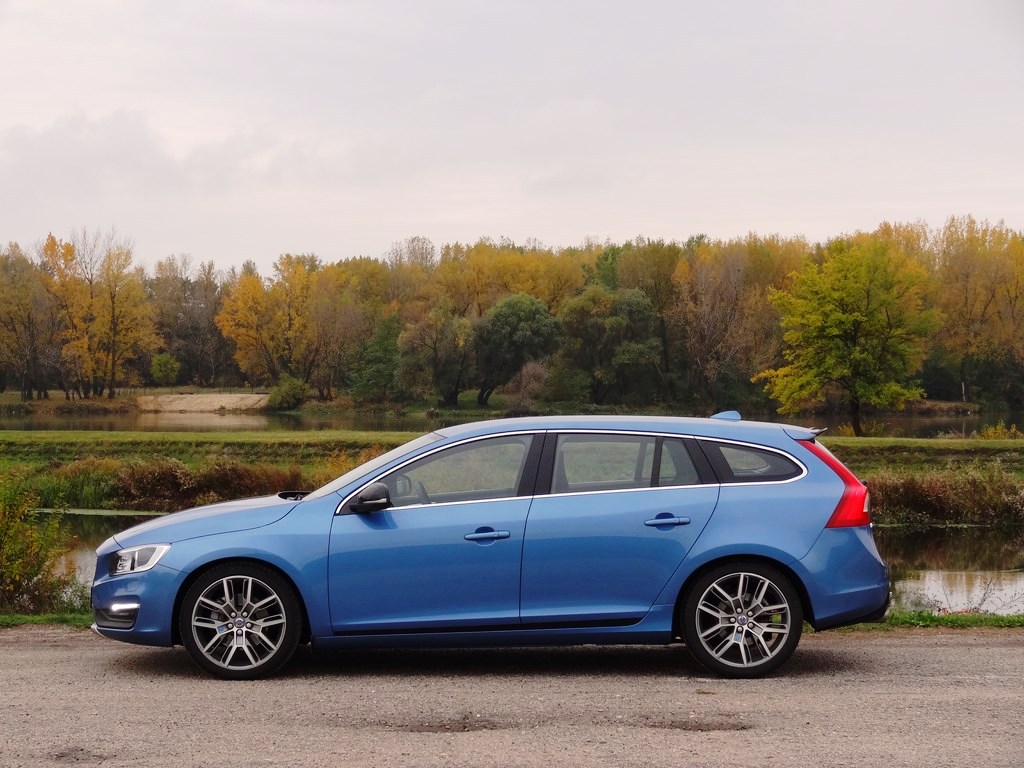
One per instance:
(372, 498)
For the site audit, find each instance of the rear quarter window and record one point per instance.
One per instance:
(749, 464)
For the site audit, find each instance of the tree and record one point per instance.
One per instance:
(514, 331)
(164, 370)
(124, 319)
(244, 319)
(723, 317)
(440, 348)
(29, 326)
(609, 337)
(857, 323)
(375, 377)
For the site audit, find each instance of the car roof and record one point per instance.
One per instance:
(725, 428)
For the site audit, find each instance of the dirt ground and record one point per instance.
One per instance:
(903, 698)
(200, 403)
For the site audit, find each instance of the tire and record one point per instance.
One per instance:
(240, 621)
(742, 619)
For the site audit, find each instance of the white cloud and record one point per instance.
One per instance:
(237, 130)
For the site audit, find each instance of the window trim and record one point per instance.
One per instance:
(525, 481)
(545, 475)
(722, 469)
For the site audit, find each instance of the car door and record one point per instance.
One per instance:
(623, 511)
(447, 552)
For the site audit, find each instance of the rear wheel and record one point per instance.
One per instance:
(742, 619)
(240, 621)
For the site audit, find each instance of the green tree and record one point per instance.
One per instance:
(375, 377)
(610, 337)
(164, 370)
(856, 323)
(514, 331)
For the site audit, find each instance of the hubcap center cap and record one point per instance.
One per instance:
(239, 623)
(742, 621)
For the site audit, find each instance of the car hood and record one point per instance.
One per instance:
(206, 521)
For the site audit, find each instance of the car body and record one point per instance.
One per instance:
(720, 533)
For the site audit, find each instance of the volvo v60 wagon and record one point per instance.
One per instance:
(721, 534)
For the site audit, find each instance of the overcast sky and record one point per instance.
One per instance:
(243, 130)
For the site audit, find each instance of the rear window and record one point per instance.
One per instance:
(748, 464)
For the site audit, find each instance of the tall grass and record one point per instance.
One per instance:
(978, 493)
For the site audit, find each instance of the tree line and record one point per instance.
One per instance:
(868, 319)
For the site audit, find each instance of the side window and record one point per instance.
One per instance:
(747, 464)
(676, 466)
(602, 462)
(483, 469)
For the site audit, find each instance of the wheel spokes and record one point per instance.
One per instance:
(239, 622)
(743, 619)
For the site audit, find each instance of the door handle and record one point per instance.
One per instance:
(487, 535)
(660, 521)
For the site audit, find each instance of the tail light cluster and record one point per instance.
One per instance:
(854, 508)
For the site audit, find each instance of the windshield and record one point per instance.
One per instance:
(364, 469)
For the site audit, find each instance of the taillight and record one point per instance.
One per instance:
(854, 508)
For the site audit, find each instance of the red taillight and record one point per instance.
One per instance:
(854, 508)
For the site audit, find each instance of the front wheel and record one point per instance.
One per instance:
(240, 621)
(742, 619)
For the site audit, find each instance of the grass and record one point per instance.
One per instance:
(925, 620)
(78, 620)
(866, 455)
(27, 447)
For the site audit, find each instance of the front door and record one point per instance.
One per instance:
(447, 553)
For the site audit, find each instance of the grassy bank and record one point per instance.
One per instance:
(35, 448)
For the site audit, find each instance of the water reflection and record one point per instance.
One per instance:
(228, 421)
(898, 425)
(935, 569)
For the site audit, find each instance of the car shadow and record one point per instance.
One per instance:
(591, 661)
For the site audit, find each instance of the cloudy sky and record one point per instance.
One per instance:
(242, 130)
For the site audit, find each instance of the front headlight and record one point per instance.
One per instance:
(137, 559)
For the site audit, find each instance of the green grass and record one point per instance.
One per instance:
(865, 455)
(925, 620)
(79, 620)
(27, 447)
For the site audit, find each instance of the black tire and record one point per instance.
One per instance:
(742, 619)
(240, 621)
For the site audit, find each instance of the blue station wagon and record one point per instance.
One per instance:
(721, 534)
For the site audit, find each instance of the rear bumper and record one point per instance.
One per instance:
(878, 616)
(847, 582)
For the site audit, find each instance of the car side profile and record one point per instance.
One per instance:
(718, 533)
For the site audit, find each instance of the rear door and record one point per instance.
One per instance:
(622, 512)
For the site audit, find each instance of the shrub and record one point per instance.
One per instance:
(34, 576)
(86, 483)
(225, 480)
(999, 431)
(975, 494)
(288, 395)
(160, 485)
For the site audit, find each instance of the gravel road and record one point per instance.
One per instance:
(903, 698)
